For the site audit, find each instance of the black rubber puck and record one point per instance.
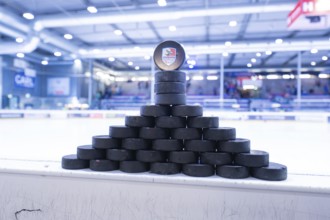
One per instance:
(203, 122)
(255, 158)
(182, 157)
(71, 162)
(139, 121)
(154, 133)
(135, 144)
(233, 171)
(123, 132)
(238, 145)
(216, 158)
(170, 88)
(120, 154)
(105, 142)
(170, 122)
(150, 156)
(165, 168)
(187, 110)
(133, 166)
(186, 133)
(170, 76)
(273, 172)
(170, 99)
(167, 145)
(87, 152)
(169, 55)
(198, 170)
(199, 145)
(155, 110)
(103, 165)
(219, 134)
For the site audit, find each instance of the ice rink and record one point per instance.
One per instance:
(302, 146)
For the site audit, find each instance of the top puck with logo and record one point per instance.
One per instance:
(169, 55)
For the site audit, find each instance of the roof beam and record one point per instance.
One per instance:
(154, 30)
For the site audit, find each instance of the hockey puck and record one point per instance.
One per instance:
(186, 133)
(123, 132)
(216, 158)
(255, 158)
(170, 76)
(155, 110)
(87, 152)
(187, 110)
(273, 172)
(170, 88)
(103, 165)
(170, 122)
(165, 168)
(198, 170)
(233, 171)
(170, 99)
(182, 157)
(203, 122)
(238, 145)
(219, 134)
(199, 145)
(133, 166)
(71, 162)
(169, 55)
(135, 144)
(154, 133)
(167, 145)
(120, 154)
(105, 142)
(139, 121)
(150, 156)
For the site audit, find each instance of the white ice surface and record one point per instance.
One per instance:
(303, 146)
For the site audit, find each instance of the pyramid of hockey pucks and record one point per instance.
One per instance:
(171, 137)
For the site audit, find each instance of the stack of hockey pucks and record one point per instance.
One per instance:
(171, 137)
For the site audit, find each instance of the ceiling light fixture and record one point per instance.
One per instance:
(130, 63)
(323, 76)
(225, 54)
(232, 23)
(20, 55)
(118, 32)
(28, 16)
(278, 41)
(268, 52)
(313, 63)
(137, 68)
(92, 9)
(249, 65)
(314, 50)
(253, 60)
(258, 54)
(172, 28)
(146, 57)
(228, 43)
(19, 40)
(44, 62)
(324, 58)
(111, 59)
(162, 3)
(57, 54)
(68, 36)
(191, 66)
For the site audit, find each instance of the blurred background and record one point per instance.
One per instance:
(242, 55)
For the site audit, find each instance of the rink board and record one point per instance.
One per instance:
(42, 190)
